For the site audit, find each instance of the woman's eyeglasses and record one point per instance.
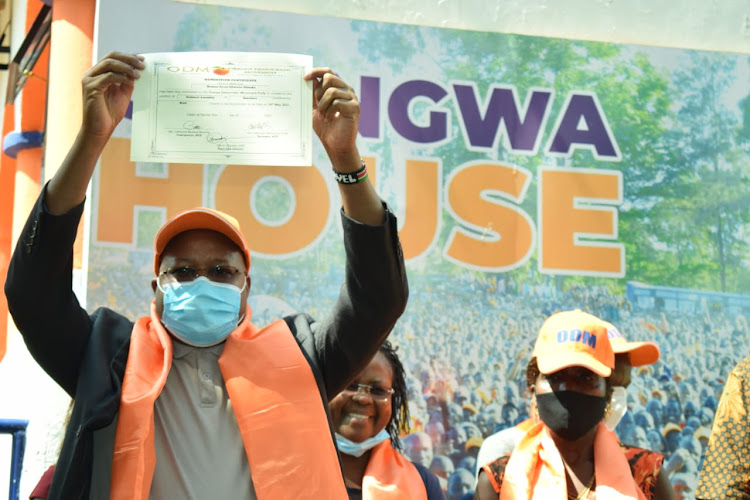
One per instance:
(376, 393)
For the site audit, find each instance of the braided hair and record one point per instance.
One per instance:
(399, 422)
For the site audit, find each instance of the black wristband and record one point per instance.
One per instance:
(351, 177)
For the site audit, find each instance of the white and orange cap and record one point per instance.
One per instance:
(640, 353)
(574, 338)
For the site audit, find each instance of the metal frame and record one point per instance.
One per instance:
(18, 429)
(31, 48)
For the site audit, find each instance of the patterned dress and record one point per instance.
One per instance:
(726, 468)
(645, 466)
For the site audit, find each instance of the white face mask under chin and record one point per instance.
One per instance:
(349, 447)
(617, 407)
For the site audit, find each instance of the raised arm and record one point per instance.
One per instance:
(107, 88)
(39, 288)
(375, 289)
(336, 122)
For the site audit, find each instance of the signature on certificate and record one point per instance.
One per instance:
(217, 138)
(191, 125)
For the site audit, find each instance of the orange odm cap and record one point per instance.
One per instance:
(640, 353)
(200, 218)
(574, 338)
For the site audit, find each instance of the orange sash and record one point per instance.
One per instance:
(535, 470)
(273, 393)
(391, 476)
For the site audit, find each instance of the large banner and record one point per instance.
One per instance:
(529, 175)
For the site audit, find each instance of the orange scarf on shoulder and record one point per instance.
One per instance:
(273, 393)
(391, 476)
(535, 470)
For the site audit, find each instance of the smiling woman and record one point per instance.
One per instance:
(368, 416)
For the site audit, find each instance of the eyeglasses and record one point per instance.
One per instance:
(376, 393)
(186, 274)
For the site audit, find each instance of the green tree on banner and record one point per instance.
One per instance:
(702, 216)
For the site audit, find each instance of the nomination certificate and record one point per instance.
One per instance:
(241, 108)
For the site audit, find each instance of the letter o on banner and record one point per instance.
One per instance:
(306, 223)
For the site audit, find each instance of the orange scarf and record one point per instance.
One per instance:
(273, 393)
(535, 470)
(391, 476)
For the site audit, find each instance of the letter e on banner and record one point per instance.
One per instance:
(573, 221)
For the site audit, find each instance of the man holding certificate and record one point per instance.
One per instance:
(194, 401)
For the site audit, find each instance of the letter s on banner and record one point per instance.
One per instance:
(494, 235)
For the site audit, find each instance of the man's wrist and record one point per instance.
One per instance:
(345, 161)
(351, 177)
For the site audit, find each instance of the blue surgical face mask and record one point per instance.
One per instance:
(201, 313)
(353, 449)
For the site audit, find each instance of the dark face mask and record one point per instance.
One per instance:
(570, 414)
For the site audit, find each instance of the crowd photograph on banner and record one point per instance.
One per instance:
(294, 256)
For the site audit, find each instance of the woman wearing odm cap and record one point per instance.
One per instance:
(570, 453)
(627, 356)
(194, 401)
